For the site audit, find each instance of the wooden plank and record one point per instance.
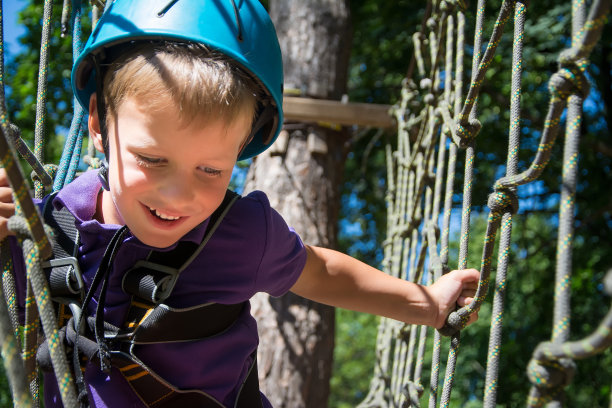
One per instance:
(320, 110)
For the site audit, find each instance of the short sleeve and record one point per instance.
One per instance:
(284, 254)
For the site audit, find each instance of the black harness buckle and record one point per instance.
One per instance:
(150, 281)
(65, 279)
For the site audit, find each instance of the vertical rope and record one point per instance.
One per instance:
(563, 270)
(8, 285)
(41, 97)
(561, 314)
(13, 365)
(30, 344)
(72, 147)
(42, 297)
(451, 361)
(495, 336)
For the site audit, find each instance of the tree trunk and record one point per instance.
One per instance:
(301, 174)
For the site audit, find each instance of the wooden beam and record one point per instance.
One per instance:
(320, 110)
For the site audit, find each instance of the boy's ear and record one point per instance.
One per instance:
(93, 123)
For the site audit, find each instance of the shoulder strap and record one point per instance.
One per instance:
(65, 233)
(152, 280)
(65, 279)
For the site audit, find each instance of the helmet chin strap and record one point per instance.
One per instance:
(263, 120)
(103, 175)
(101, 108)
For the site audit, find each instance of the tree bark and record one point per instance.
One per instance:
(301, 174)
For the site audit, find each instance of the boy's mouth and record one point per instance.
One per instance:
(162, 216)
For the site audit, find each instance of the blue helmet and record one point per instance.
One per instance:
(240, 29)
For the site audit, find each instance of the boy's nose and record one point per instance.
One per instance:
(177, 190)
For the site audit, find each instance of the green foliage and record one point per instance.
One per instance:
(6, 399)
(353, 358)
(22, 80)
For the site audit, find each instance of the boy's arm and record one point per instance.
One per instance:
(336, 279)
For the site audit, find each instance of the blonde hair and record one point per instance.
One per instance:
(199, 82)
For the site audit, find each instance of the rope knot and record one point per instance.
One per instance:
(47, 178)
(19, 226)
(466, 132)
(545, 373)
(447, 6)
(432, 24)
(568, 80)
(92, 162)
(413, 392)
(503, 200)
(454, 323)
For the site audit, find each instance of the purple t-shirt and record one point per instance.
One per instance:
(253, 250)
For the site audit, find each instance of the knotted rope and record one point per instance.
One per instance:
(427, 118)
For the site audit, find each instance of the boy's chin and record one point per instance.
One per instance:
(160, 242)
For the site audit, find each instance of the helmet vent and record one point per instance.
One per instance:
(163, 11)
(238, 23)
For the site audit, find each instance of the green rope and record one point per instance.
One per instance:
(13, 365)
(30, 344)
(40, 290)
(495, 336)
(414, 198)
(551, 367)
(41, 97)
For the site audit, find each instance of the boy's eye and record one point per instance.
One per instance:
(210, 171)
(148, 161)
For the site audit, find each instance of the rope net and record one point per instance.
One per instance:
(438, 122)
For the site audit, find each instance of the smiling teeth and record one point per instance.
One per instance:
(164, 216)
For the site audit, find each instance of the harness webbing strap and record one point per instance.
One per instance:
(64, 275)
(164, 324)
(161, 394)
(152, 281)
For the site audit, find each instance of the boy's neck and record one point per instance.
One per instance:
(98, 215)
(105, 209)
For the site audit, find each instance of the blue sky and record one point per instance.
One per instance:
(10, 9)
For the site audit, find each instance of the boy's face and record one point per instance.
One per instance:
(165, 178)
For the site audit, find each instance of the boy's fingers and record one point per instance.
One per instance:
(6, 194)
(462, 301)
(7, 209)
(469, 275)
(465, 300)
(4, 231)
(473, 318)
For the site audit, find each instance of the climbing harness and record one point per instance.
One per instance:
(149, 320)
(249, 38)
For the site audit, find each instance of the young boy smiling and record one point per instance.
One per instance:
(177, 93)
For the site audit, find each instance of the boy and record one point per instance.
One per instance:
(177, 92)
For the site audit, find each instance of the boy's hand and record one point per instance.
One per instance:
(454, 288)
(7, 207)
